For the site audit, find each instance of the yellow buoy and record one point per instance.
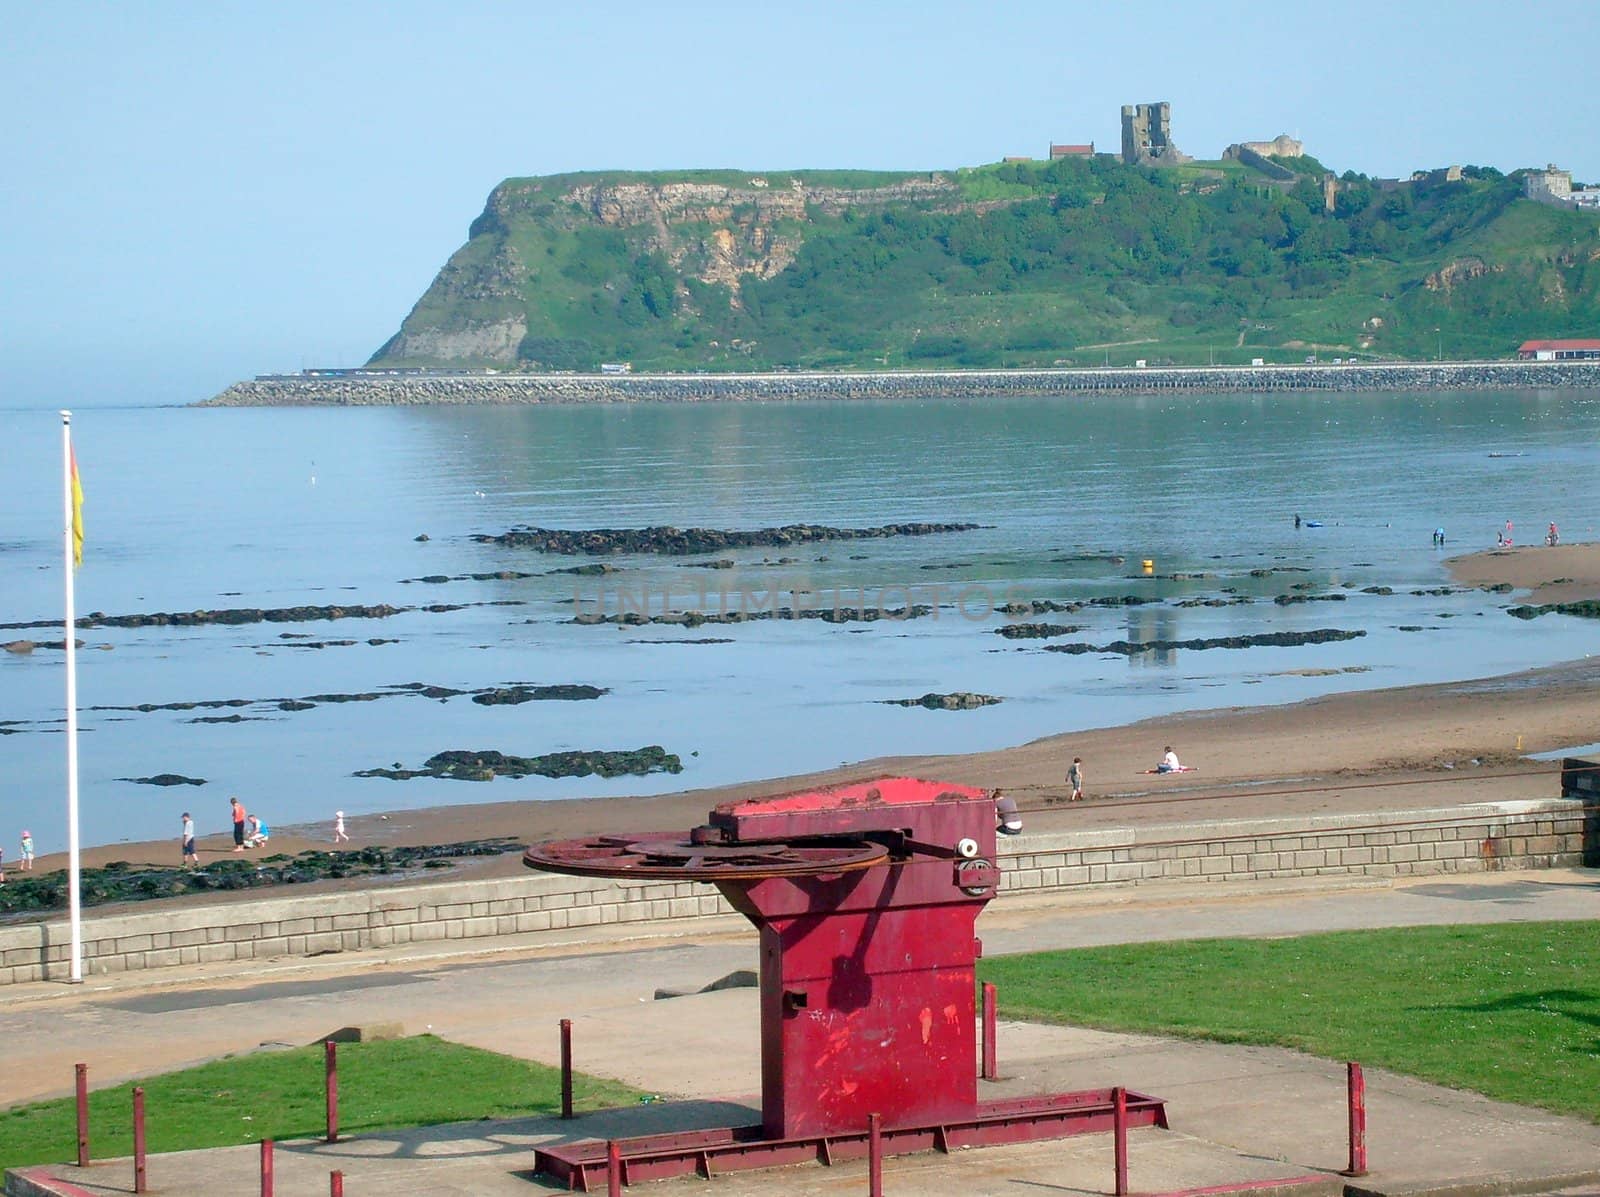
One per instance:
(1149, 565)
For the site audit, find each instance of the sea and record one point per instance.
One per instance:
(209, 508)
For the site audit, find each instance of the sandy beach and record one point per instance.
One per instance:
(1409, 746)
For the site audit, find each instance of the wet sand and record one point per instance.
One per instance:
(1406, 747)
(1563, 574)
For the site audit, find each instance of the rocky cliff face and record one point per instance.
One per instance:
(717, 233)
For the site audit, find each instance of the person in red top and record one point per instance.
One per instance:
(238, 824)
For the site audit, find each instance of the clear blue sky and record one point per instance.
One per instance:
(193, 193)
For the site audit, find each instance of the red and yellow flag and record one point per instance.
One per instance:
(77, 512)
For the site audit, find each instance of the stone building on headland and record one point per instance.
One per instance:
(1147, 136)
(1281, 146)
(1548, 186)
(1071, 151)
(1554, 186)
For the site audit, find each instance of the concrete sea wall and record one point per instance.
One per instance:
(381, 388)
(1481, 837)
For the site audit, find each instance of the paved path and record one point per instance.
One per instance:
(1239, 1114)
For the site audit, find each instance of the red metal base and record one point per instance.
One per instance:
(582, 1166)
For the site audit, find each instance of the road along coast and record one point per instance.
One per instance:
(391, 388)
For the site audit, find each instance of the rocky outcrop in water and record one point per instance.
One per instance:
(1584, 609)
(1129, 648)
(597, 542)
(486, 766)
(511, 693)
(961, 700)
(1037, 631)
(694, 619)
(246, 615)
(165, 779)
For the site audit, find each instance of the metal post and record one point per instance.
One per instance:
(330, 1076)
(1119, 1133)
(266, 1168)
(566, 1068)
(83, 1114)
(874, 1155)
(138, 1140)
(991, 1068)
(613, 1169)
(336, 1184)
(1356, 1091)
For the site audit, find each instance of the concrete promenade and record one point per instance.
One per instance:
(1239, 1115)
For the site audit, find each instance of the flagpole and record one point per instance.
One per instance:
(72, 704)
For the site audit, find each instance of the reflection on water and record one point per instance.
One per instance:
(240, 508)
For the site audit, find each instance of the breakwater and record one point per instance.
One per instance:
(386, 388)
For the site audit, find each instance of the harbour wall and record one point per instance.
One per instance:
(388, 388)
(1476, 838)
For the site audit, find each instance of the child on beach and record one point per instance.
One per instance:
(27, 851)
(339, 836)
(1075, 779)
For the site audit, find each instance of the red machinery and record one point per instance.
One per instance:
(866, 897)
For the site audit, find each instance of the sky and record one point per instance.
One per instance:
(193, 193)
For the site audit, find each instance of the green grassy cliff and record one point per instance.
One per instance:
(1080, 262)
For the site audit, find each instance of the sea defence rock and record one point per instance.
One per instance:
(597, 542)
(486, 766)
(393, 387)
(1129, 648)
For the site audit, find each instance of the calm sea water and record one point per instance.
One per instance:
(191, 509)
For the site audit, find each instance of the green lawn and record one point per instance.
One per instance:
(279, 1095)
(1511, 1011)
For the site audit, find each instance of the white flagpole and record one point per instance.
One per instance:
(72, 705)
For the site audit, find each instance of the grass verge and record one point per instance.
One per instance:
(1511, 1011)
(418, 1081)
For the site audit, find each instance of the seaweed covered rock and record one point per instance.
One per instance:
(458, 765)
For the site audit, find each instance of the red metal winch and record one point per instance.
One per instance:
(866, 897)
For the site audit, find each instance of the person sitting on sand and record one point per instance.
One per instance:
(1169, 762)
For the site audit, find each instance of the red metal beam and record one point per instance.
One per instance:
(582, 1166)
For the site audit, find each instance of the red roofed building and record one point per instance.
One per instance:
(1071, 151)
(1559, 351)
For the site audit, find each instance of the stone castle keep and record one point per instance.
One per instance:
(1147, 136)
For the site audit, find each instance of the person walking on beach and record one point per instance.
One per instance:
(239, 816)
(340, 836)
(1075, 779)
(27, 851)
(189, 855)
(1552, 538)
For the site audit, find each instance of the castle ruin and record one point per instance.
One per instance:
(1147, 136)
